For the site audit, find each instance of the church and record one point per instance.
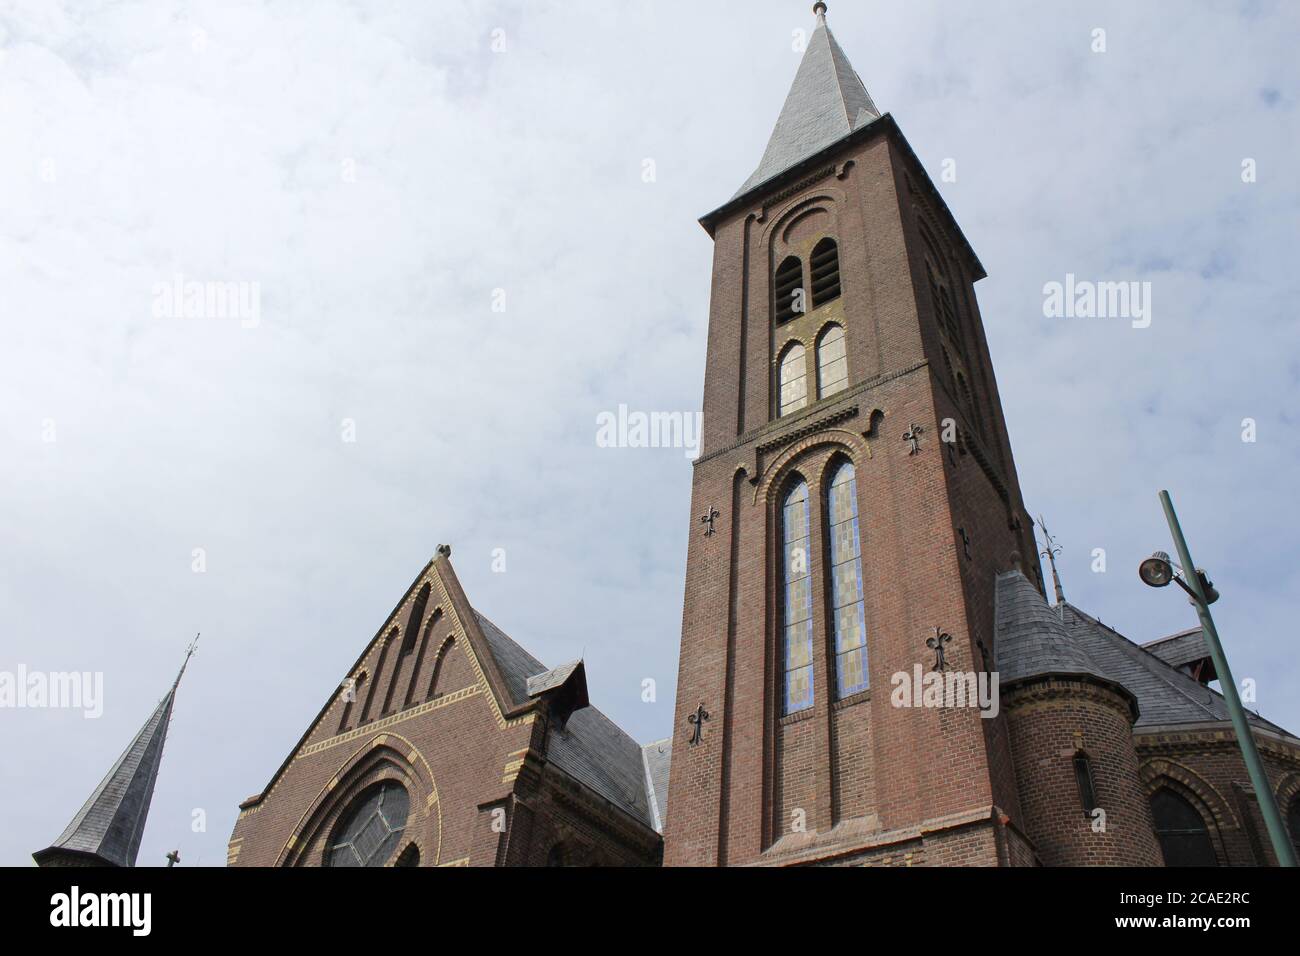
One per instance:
(856, 519)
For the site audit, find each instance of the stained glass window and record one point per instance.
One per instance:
(794, 380)
(832, 363)
(372, 827)
(798, 624)
(848, 615)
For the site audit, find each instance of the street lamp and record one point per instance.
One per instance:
(1158, 571)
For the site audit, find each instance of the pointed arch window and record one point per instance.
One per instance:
(1181, 830)
(796, 571)
(825, 265)
(794, 379)
(832, 362)
(848, 613)
(788, 289)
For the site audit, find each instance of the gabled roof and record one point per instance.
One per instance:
(826, 102)
(1181, 649)
(108, 828)
(591, 748)
(1166, 694)
(1034, 639)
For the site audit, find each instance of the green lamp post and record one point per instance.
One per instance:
(1158, 571)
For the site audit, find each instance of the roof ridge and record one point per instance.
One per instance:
(1179, 684)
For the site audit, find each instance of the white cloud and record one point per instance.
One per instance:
(136, 148)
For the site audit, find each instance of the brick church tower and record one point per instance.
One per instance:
(854, 497)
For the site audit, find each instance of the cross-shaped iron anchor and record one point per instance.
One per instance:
(938, 643)
(708, 519)
(913, 435)
(697, 720)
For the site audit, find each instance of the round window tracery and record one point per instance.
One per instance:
(371, 827)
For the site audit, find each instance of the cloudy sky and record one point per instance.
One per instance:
(461, 261)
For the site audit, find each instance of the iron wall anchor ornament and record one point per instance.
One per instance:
(939, 643)
(696, 720)
(913, 435)
(708, 519)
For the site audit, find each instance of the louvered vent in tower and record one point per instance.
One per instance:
(789, 289)
(825, 272)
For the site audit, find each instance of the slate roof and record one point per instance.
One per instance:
(110, 825)
(1031, 638)
(540, 683)
(826, 102)
(658, 756)
(1034, 639)
(1179, 649)
(591, 748)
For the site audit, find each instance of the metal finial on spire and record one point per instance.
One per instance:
(189, 652)
(819, 8)
(1050, 553)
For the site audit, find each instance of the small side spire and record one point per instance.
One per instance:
(107, 830)
(1050, 552)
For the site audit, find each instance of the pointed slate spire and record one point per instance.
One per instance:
(107, 830)
(826, 102)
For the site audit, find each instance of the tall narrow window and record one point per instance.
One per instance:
(789, 290)
(832, 362)
(1083, 779)
(796, 523)
(794, 379)
(1181, 830)
(848, 615)
(825, 272)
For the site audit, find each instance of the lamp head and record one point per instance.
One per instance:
(1156, 571)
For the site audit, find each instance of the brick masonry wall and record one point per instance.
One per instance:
(466, 766)
(1204, 766)
(1052, 719)
(732, 797)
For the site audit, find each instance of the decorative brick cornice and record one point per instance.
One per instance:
(1039, 692)
(775, 432)
(438, 702)
(855, 837)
